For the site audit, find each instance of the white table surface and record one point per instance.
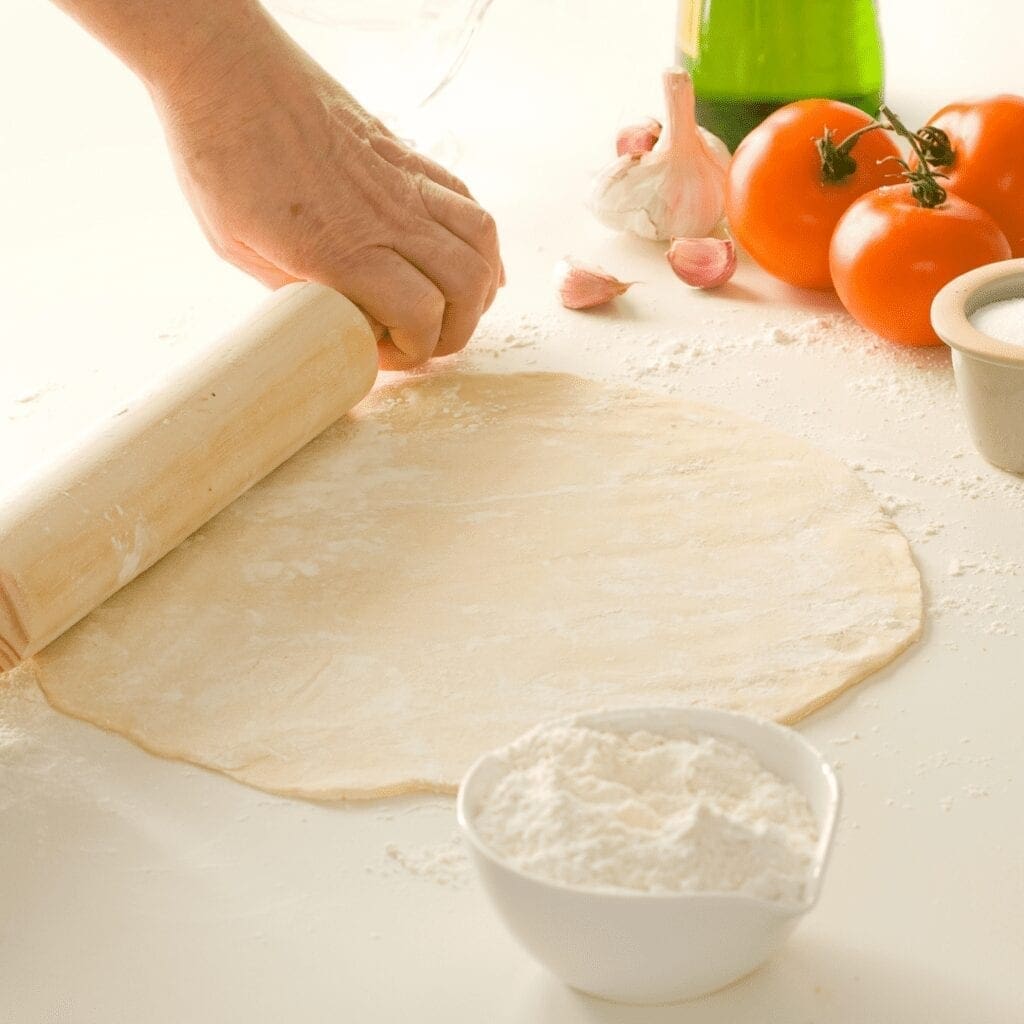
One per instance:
(139, 890)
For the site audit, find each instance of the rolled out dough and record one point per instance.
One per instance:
(468, 555)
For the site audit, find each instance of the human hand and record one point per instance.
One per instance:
(292, 180)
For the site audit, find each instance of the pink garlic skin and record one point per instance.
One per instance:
(702, 262)
(584, 285)
(637, 139)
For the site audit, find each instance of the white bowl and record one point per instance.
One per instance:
(989, 373)
(654, 948)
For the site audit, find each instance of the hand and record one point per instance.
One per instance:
(292, 180)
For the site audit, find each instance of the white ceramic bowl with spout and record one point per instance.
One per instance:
(655, 948)
(989, 372)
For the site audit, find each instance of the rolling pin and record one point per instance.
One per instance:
(131, 491)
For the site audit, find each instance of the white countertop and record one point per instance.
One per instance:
(139, 890)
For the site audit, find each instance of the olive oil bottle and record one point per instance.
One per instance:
(750, 57)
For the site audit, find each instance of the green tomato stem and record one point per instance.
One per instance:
(837, 163)
(924, 183)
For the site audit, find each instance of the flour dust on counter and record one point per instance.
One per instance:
(467, 555)
(445, 863)
(34, 762)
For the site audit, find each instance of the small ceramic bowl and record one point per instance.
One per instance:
(655, 948)
(989, 373)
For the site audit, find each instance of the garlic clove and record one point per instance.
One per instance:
(636, 139)
(702, 262)
(584, 285)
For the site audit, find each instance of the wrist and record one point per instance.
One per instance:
(182, 62)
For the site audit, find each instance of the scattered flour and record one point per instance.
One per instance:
(639, 812)
(444, 863)
(24, 405)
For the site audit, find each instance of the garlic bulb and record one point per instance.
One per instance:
(702, 262)
(677, 190)
(584, 285)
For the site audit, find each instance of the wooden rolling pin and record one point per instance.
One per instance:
(153, 474)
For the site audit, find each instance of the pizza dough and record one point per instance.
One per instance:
(468, 555)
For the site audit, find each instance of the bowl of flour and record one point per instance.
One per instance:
(651, 855)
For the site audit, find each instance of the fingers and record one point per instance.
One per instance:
(395, 294)
(473, 225)
(462, 276)
(467, 219)
(380, 332)
(422, 299)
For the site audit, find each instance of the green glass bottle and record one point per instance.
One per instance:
(750, 57)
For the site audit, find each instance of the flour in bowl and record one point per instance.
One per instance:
(638, 812)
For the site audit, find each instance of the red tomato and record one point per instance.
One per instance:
(890, 256)
(780, 205)
(988, 159)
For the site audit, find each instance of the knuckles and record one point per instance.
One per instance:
(479, 278)
(487, 229)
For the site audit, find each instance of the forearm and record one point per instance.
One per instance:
(165, 42)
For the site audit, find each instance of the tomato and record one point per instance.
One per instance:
(890, 256)
(988, 159)
(778, 202)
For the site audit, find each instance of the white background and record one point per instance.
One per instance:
(138, 890)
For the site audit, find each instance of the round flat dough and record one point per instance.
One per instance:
(468, 555)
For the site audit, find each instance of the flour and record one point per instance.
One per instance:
(647, 813)
(445, 863)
